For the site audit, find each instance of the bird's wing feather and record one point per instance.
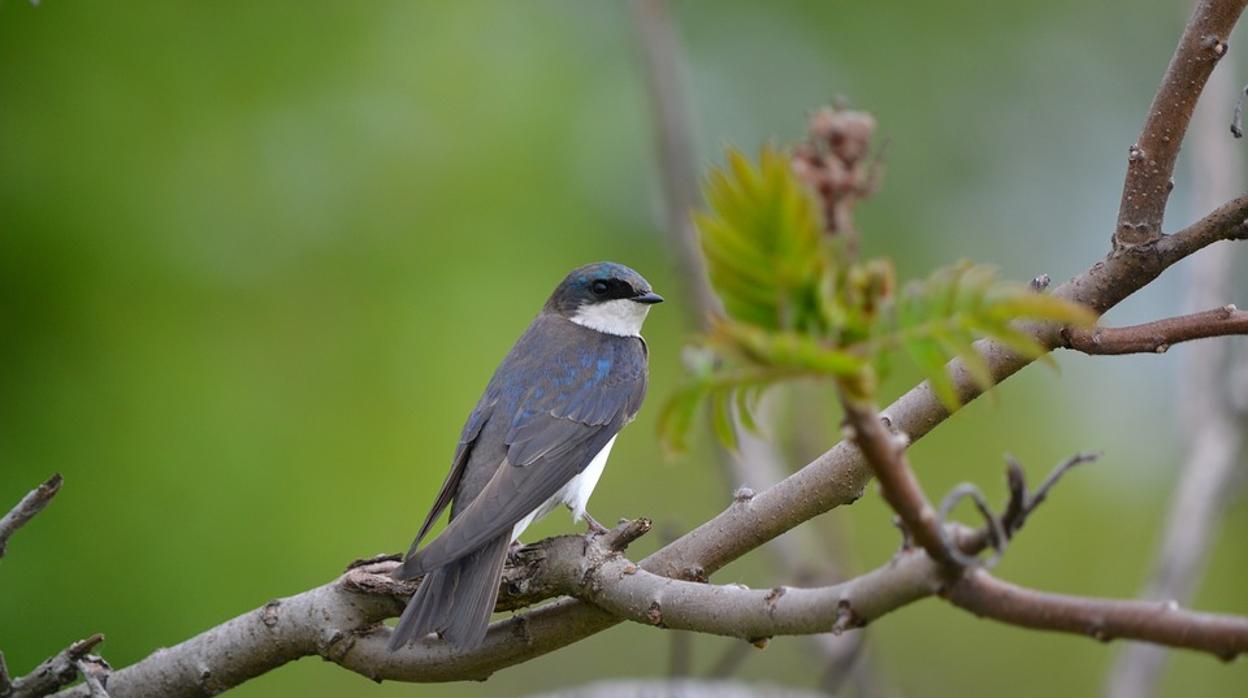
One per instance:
(472, 429)
(554, 435)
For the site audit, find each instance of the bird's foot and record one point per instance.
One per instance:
(595, 529)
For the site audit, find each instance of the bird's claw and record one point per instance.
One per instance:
(595, 529)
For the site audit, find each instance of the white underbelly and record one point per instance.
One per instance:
(575, 494)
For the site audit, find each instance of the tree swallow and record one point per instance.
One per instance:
(539, 437)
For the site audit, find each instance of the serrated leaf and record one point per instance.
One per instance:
(961, 344)
(930, 358)
(786, 350)
(721, 418)
(745, 410)
(676, 418)
(761, 241)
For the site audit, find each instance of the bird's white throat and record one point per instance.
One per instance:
(621, 317)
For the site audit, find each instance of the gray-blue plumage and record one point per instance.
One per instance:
(571, 382)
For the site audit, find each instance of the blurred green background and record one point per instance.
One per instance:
(257, 261)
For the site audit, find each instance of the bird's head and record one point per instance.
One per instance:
(606, 297)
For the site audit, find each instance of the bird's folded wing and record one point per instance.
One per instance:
(516, 490)
(472, 429)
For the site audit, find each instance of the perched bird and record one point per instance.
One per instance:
(539, 437)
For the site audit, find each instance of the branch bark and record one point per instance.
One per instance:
(59, 670)
(1150, 163)
(1103, 619)
(1157, 337)
(25, 510)
(1212, 420)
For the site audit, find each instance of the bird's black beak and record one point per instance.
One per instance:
(649, 298)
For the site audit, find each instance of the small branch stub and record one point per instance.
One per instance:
(31, 504)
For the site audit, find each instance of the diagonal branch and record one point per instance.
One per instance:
(1156, 337)
(33, 503)
(885, 453)
(1150, 163)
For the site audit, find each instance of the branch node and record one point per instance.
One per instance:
(846, 619)
(997, 536)
(95, 672)
(695, 573)
(742, 495)
(268, 614)
(619, 538)
(654, 614)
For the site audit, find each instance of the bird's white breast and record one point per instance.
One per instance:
(621, 317)
(575, 494)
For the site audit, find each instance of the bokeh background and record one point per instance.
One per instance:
(257, 260)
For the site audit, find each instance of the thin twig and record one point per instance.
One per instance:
(997, 536)
(1164, 623)
(94, 672)
(885, 452)
(31, 504)
(55, 672)
(1156, 337)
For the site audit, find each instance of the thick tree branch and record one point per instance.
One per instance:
(33, 503)
(1150, 163)
(1157, 337)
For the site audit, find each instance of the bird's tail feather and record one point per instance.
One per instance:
(456, 599)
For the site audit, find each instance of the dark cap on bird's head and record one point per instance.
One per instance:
(600, 282)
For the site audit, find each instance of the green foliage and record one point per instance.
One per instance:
(940, 318)
(761, 243)
(797, 306)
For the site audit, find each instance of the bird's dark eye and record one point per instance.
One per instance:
(599, 287)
